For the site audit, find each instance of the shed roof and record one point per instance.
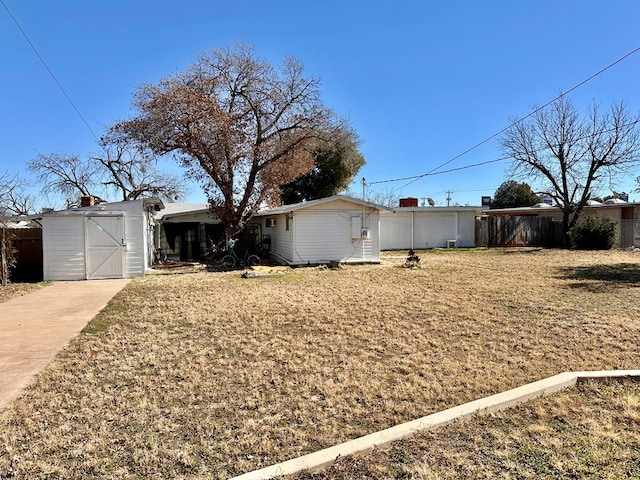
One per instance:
(299, 206)
(154, 202)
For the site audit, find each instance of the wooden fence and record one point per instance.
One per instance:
(28, 243)
(523, 231)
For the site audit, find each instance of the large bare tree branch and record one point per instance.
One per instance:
(241, 127)
(568, 153)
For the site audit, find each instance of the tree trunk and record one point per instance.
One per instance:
(3, 253)
(565, 229)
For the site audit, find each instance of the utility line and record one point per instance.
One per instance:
(416, 177)
(464, 167)
(49, 70)
(533, 112)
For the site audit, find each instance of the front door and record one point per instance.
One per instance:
(105, 247)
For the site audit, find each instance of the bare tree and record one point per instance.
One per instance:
(131, 171)
(569, 155)
(240, 127)
(123, 168)
(13, 202)
(386, 197)
(66, 175)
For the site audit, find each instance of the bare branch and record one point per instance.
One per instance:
(240, 127)
(569, 153)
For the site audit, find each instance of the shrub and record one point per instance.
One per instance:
(594, 233)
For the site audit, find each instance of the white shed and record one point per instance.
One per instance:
(337, 228)
(428, 227)
(108, 240)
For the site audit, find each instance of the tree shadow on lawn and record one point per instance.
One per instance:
(627, 274)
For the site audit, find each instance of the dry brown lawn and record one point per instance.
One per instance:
(13, 290)
(205, 375)
(589, 431)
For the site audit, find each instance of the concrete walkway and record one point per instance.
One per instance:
(35, 327)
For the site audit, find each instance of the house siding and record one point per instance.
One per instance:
(282, 240)
(426, 228)
(324, 235)
(63, 248)
(324, 230)
(64, 240)
(135, 234)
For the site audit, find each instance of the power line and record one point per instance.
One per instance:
(48, 70)
(416, 177)
(533, 112)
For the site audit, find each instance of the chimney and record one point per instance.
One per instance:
(409, 202)
(87, 201)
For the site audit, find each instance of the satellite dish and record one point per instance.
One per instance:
(431, 202)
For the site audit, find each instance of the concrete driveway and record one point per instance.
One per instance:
(35, 327)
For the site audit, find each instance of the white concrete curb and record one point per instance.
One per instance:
(485, 405)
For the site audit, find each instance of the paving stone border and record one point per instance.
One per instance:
(482, 406)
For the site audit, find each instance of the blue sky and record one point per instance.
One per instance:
(421, 81)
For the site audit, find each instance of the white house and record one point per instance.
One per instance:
(337, 228)
(428, 227)
(108, 240)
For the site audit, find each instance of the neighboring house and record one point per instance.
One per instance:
(625, 215)
(185, 231)
(108, 240)
(337, 228)
(405, 228)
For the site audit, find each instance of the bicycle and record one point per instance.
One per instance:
(232, 258)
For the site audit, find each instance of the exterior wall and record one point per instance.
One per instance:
(135, 230)
(426, 228)
(63, 248)
(324, 233)
(282, 240)
(64, 245)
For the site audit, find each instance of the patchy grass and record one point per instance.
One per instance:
(13, 290)
(589, 431)
(205, 375)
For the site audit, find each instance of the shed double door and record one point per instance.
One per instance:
(105, 247)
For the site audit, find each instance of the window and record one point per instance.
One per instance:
(271, 223)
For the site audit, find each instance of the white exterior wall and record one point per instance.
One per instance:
(135, 230)
(63, 249)
(325, 232)
(64, 245)
(426, 228)
(282, 241)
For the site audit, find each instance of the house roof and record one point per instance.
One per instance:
(457, 208)
(154, 202)
(174, 209)
(543, 206)
(19, 224)
(299, 206)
